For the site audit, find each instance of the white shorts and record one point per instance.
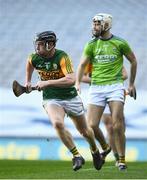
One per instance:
(101, 95)
(72, 107)
(107, 110)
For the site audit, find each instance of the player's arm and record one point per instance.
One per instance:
(29, 72)
(66, 81)
(86, 78)
(85, 60)
(132, 59)
(87, 74)
(80, 71)
(124, 73)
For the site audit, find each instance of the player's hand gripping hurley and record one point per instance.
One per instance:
(18, 89)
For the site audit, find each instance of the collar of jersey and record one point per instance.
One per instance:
(106, 39)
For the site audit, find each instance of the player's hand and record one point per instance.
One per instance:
(28, 87)
(41, 85)
(132, 91)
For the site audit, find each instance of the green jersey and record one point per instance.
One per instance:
(54, 68)
(106, 57)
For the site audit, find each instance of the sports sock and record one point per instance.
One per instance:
(75, 152)
(105, 146)
(122, 159)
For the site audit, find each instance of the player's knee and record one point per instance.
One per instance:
(117, 127)
(58, 125)
(91, 124)
(84, 132)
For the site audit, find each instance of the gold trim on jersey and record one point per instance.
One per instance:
(56, 74)
(66, 65)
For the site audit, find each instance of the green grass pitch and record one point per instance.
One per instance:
(18, 169)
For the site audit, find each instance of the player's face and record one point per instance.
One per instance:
(96, 28)
(40, 47)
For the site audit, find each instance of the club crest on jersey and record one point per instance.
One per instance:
(55, 66)
(114, 49)
(47, 65)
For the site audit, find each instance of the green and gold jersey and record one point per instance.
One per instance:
(54, 68)
(106, 57)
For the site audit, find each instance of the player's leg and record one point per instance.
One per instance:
(87, 133)
(107, 120)
(56, 115)
(94, 115)
(74, 108)
(119, 131)
(96, 104)
(115, 98)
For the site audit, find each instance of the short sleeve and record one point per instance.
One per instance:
(88, 51)
(125, 48)
(30, 59)
(66, 65)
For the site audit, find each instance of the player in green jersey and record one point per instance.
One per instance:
(59, 94)
(105, 52)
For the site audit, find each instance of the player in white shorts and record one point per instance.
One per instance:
(106, 53)
(106, 117)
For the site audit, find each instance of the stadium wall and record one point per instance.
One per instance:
(26, 133)
(53, 149)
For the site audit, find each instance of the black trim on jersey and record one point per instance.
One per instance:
(97, 38)
(106, 39)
